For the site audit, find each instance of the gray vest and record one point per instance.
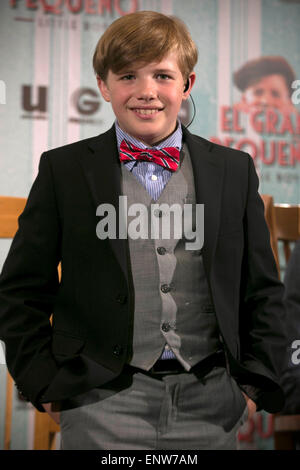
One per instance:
(173, 305)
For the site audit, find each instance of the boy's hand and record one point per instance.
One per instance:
(55, 415)
(251, 406)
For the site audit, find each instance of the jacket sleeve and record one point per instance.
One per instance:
(28, 287)
(263, 337)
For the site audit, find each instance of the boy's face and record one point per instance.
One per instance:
(146, 99)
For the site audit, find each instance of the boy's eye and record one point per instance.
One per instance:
(127, 77)
(164, 76)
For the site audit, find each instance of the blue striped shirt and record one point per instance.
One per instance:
(152, 176)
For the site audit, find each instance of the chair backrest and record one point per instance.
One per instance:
(10, 209)
(284, 225)
(287, 218)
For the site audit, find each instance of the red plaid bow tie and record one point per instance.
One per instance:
(167, 157)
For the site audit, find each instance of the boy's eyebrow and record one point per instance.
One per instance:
(127, 71)
(165, 71)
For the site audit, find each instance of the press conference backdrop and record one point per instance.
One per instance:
(49, 97)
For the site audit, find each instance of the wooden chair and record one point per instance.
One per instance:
(283, 221)
(45, 427)
(287, 218)
(284, 224)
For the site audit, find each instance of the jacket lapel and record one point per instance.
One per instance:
(208, 168)
(102, 170)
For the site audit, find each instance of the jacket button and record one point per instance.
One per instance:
(121, 298)
(22, 397)
(20, 394)
(118, 350)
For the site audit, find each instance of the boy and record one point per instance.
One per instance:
(153, 345)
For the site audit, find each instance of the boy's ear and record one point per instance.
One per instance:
(189, 85)
(103, 88)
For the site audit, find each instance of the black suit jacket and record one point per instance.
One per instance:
(91, 336)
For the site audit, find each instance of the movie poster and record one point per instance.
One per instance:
(246, 96)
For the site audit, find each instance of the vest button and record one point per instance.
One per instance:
(165, 288)
(166, 327)
(161, 250)
(158, 213)
(117, 350)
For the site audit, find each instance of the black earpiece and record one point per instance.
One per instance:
(186, 87)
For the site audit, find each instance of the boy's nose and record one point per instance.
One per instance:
(146, 91)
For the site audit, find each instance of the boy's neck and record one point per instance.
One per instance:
(154, 144)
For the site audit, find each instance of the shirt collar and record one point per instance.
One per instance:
(174, 140)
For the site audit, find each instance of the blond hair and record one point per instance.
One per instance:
(144, 37)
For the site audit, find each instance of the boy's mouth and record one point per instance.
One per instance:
(146, 111)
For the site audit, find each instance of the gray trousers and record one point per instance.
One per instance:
(140, 412)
